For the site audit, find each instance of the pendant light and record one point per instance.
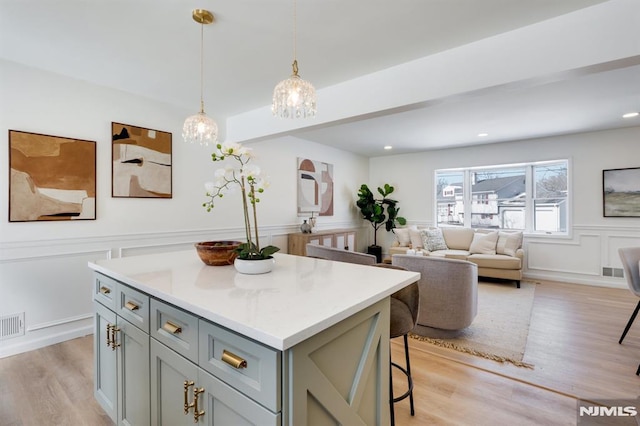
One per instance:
(294, 97)
(199, 127)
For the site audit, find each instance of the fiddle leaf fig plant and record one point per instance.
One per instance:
(380, 211)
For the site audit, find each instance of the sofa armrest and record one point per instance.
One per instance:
(520, 253)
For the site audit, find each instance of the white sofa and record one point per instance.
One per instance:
(498, 253)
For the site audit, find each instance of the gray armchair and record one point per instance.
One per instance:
(448, 293)
(630, 257)
(340, 255)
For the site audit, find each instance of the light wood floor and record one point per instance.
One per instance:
(573, 344)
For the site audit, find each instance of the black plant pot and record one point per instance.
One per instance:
(376, 251)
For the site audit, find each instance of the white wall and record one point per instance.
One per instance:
(43, 265)
(594, 239)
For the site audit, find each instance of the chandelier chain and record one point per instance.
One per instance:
(202, 67)
(295, 29)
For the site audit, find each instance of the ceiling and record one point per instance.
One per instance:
(151, 48)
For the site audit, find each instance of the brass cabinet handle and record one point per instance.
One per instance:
(105, 290)
(114, 330)
(233, 360)
(109, 335)
(131, 306)
(187, 405)
(196, 413)
(172, 328)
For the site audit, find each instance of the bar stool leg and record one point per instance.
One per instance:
(407, 372)
(409, 378)
(393, 414)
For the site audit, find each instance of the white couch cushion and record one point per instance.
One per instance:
(484, 243)
(432, 239)
(402, 235)
(416, 238)
(509, 242)
(457, 238)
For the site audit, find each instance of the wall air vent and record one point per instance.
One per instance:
(613, 272)
(11, 326)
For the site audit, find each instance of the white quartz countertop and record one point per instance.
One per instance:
(299, 298)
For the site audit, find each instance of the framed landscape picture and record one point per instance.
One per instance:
(621, 192)
(51, 178)
(141, 162)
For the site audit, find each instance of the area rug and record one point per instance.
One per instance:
(500, 330)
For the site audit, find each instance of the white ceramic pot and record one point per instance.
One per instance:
(254, 266)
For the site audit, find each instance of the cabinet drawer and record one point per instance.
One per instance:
(104, 290)
(175, 328)
(258, 376)
(133, 306)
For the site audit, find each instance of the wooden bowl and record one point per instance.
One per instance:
(217, 253)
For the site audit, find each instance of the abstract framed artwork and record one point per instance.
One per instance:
(315, 188)
(51, 178)
(621, 192)
(141, 162)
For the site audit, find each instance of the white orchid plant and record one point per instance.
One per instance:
(246, 177)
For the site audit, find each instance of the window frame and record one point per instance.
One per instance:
(529, 198)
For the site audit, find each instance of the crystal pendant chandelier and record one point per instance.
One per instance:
(294, 97)
(199, 127)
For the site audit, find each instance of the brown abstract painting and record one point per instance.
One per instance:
(141, 162)
(51, 178)
(315, 187)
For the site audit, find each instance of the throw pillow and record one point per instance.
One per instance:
(484, 243)
(402, 235)
(509, 243)
(416, 238)
(432, 239)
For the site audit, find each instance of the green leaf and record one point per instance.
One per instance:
(268, 251)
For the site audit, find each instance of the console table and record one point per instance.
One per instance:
(178, 342)
(338, 238)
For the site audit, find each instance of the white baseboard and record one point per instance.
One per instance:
(573, 280)
(30, 345)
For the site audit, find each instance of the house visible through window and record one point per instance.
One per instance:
(532, 197)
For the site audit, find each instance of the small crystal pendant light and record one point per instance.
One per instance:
(199, 127)
(294, 97)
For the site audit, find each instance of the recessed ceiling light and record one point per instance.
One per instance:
(631, 114)
(483, 135)
(388, 147)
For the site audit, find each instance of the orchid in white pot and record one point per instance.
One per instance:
(248, 179)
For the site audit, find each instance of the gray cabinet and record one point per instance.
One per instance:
(104, 383)
(121, 384)
(133, 374)
(250, 367)
(157, 364)
(183, 394)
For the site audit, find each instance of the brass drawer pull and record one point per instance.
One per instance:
(111, 336)
(105, 290)
(197, 413)
(131, 306)
(187, 405)
(233, 360)
(172, 328)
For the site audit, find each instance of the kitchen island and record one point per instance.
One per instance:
(177, 341)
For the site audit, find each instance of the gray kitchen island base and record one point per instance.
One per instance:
(181, 343)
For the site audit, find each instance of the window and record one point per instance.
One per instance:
(449, 200)
(532, 197)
